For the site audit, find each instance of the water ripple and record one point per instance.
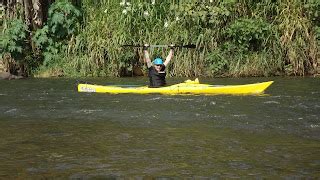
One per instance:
(11, 111)
(271, 102)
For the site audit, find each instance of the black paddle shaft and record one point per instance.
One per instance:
(162, 46)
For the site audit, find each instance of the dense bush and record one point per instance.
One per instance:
(52, 40)
(13, 39)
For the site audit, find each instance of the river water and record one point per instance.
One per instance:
(48, 130)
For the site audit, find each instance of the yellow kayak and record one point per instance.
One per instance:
(187, 87)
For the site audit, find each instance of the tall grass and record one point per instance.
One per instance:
(226, 46)
(297, 42)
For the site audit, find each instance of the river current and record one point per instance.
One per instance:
(48, 130)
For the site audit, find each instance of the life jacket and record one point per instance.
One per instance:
(157, 79)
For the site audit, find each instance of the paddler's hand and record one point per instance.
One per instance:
(145, 46)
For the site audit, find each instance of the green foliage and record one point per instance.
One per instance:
(234, 37)
(317, 29)
(126, 60)
(208, 15)
(313, 10)
(297, 39)
(13, 39)
(249, 34)
(52, 40)
(63, 19)
(54, 54)
(216, 63)
(42, 38)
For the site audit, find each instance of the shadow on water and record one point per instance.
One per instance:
(50, 131)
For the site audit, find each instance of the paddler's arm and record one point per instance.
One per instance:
(146, 55)
(170, 56)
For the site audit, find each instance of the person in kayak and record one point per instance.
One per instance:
(157, 73)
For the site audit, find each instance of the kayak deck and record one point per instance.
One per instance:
(187, 87)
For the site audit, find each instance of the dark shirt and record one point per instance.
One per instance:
(157, 79)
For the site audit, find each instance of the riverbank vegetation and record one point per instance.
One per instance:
(233, 37)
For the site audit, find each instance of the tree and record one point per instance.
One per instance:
(34, 12)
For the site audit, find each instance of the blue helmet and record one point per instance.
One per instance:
(158, 61)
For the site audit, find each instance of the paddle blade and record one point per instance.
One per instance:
(189, 46)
